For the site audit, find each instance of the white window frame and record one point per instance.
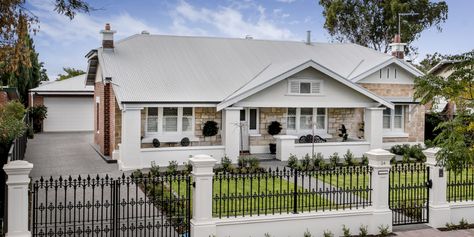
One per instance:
(298, 129)
(180, 124)
(392, 128)
(306, 80)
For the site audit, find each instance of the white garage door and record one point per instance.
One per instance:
(69, 114)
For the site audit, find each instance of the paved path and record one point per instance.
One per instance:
(55, 154)
(423, 230)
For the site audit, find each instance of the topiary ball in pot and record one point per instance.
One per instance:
(210, 129)
(273, 129)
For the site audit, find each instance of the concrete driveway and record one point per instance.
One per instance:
(68, 153)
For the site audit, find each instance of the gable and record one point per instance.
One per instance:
(332, 93)
(391, 74)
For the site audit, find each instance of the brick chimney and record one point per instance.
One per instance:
(397, 47)
(107, 37)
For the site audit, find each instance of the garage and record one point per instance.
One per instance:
(69, 102)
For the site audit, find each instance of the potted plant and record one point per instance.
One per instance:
(37, 113)
(273, 129)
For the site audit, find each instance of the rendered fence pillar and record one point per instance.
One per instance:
(285, 145)
(373, 127)
(202, 224)
(439, 210)
(232, 132)
(18, 180)
(379, 160)
(129, 157)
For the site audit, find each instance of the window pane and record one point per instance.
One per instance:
(187, 111)
(305, 87)
(291, 111)
(152, 124)
(152, 111)
(386, 121)
(306, 111)
(397, 122)
(291, 123)
(242, 115)
(320, 122)
(386, 111)
(170, 111)
(321, 111)
(253, 119)
(170, 124)
(398, 109)
(306, 122)
(187, 124)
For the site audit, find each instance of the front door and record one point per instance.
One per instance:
(244, 132)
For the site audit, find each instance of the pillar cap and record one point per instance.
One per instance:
(18, 167)
(430, 154)
(379, 157)
(202, 161)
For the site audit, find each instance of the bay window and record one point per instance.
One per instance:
(393, 120)
(301, 120)
(163, 120)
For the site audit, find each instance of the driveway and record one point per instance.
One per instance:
(68, 153)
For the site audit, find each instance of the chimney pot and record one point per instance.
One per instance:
(107, 26)
(308, 37)
(397, 47)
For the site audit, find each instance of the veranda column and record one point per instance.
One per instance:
(201, 223)
(439, 210)
(18, 181)
(379, 160)
(232, 132)
(373, 127)
(130, 144)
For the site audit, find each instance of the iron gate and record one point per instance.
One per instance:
(105, 206)
(409, 186)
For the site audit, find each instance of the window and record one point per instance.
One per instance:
(97, 114)
(305, 86)
(250, 117)
(253, 119)
(187, 119)
(303, 119)
(170, 119)
(152, 119)
(393, 120)
(242, 115)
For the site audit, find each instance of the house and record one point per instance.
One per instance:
(8, 94)
(443, 69)
(70, 104)
(151, 91)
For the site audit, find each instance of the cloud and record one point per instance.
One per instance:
(226, 21)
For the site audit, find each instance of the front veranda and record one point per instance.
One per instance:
(166, 133)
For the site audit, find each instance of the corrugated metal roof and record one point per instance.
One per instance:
(202, 69)
(73, 84)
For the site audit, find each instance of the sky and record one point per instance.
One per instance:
(61, 42)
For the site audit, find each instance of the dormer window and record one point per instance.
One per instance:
(305, 87)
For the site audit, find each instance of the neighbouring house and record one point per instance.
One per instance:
(443, 69)
(8, 94)
(151, 91)
(70, 104)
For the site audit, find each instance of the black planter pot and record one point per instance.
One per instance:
(273, 148)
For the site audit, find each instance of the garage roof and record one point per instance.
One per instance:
(74, 85)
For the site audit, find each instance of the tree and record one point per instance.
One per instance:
(26, 77)
(456, 137)
(430, 61)
(374, 23)
(69, 72)
(17, 21)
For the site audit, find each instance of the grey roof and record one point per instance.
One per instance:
(159, 68)
(71, 85)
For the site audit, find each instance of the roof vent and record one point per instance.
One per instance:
(308, 37)
(144, 32)
(249, 37)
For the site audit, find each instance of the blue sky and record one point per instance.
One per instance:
(63, 43)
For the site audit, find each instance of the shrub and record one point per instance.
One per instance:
(210, 129)
(274, 128)
(364, 160)
(328, 233)
(346, 231)
(226, 163)
(450, 226)
(463, 224)
(137, 174)
(363, 231)
(393, 160)
(293, 162)
(306, 162)
(38, 113)
(307, 233)
(254, 164)
(267, 235)
(334, 159)
(406, 159)
(383, 230)
(155, 169)
(188, 167)
(317, 160)
(172, 167)
(13, 109)
(242, 162)
(349, 158)
(11, 124)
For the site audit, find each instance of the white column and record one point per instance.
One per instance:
(129, 158)
(285, 145)
(202, 224)
(373, 127)
(232, 132)
(440, 212)
(18, 181)
(379, 160)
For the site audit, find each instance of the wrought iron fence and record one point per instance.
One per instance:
(291, 191)
(409, 193)
(105, 206)
(461, 184)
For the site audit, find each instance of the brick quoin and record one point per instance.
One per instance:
(3, 97)
(105, 135)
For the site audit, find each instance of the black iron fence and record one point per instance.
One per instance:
(105, 206)
(409, 193)
(461, 184)
(291, 191)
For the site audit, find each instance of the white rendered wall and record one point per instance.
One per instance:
(403, 77)
(460, 210)
(162, 156)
